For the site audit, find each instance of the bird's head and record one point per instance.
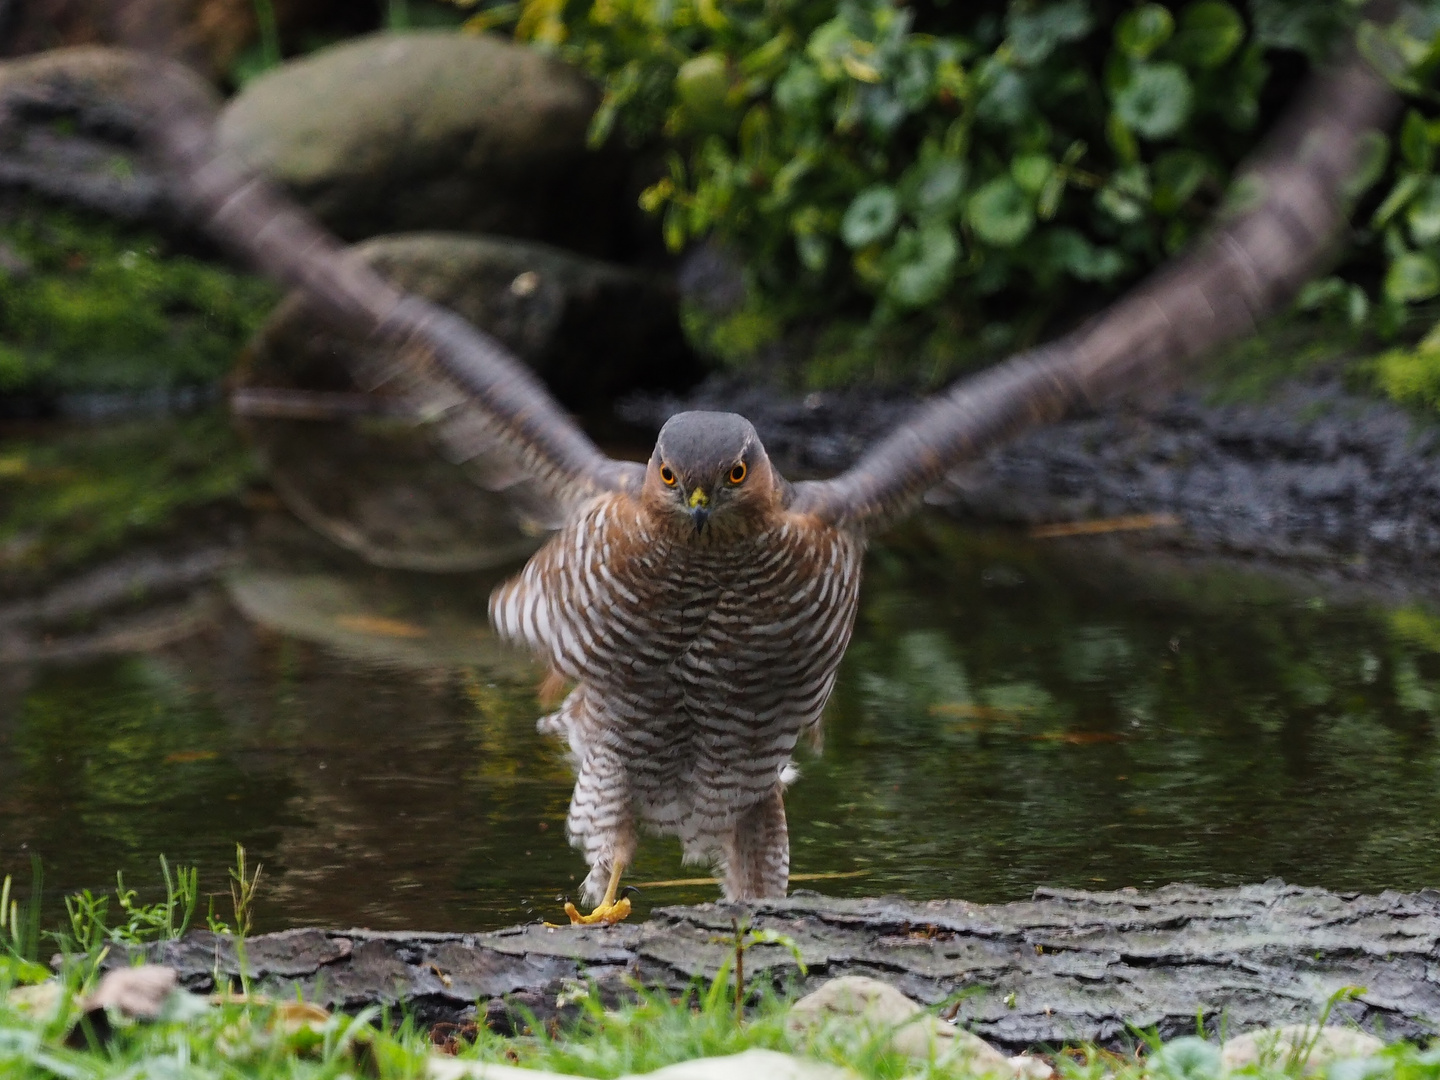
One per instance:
(710, 472)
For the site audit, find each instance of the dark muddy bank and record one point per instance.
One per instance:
(1315, 477)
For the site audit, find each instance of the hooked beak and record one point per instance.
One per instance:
(699, 509)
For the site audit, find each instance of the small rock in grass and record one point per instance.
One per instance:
(880, 1009)
(42, 1000)
(1278, 1045)
(137, 993)
(1026, 1067)
(750, 1065)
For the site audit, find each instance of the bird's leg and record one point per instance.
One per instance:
(756, 854)
(610, 910)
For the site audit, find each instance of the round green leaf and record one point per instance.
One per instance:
(701, 86)
(1034, 32)
(938, 187)
(871, 216)
(1156, 101)
(1186, 1058)
(1178, 173)
(799, 90)
(1000, 213)
(1412, 277)
(1144, 30)
(1210, 32)
(1031, 171)
(1423, 214)
(927, 273)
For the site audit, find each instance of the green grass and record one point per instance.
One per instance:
(255, 1041)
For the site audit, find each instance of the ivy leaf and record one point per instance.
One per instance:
(1156, 101)
(1125, 197)
(1423, 214)
(928, 266)
(1032, 171)
(814, 251)
(799, 90)
(1006, 100)
(1143, 30)
(915, 79)
(1000, 213)
(1072, 252)
(1210, 32)
(935, 187)
(1178, 173)
(1034, 34)
(871, 216)
(1411, 277)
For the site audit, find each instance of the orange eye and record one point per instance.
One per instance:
(737, 474)
(667, 475)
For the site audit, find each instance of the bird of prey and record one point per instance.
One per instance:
(699, 603)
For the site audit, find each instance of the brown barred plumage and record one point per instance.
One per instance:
(700, 656)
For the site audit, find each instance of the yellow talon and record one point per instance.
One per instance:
(609, 914)
(609, 911)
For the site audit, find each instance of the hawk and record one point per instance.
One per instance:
(699, 602)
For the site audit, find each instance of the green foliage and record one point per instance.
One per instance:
(164, 920)
(942, 184)
(914, 164)
(20, 931)
(89, 305)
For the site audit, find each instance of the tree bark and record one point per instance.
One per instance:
(1063, 967)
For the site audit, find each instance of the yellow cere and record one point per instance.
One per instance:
(699, 498)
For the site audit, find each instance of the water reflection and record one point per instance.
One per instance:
(1008, 716)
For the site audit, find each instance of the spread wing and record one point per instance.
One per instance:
(484, 406)
(1220, 291)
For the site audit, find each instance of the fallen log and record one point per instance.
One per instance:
(1063, 967)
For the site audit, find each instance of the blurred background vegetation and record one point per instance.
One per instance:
(907, 190)
(931, 184)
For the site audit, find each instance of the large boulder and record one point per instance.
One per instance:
(427, 130)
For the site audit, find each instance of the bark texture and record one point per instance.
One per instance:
(1063, 967)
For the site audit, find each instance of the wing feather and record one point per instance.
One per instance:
(1243, 272)
(481, 403)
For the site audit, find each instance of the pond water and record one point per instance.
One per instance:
(1012, 713)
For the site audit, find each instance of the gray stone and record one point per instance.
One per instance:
(1302, 1043)
(870, 1008)
(750, 1065)
(432, 130)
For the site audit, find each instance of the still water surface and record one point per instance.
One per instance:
(1011, 714)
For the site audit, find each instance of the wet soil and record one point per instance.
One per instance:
(1315, 476)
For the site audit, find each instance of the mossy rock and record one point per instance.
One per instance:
(432, 130)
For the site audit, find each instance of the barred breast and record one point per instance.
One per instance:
(699, 662)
